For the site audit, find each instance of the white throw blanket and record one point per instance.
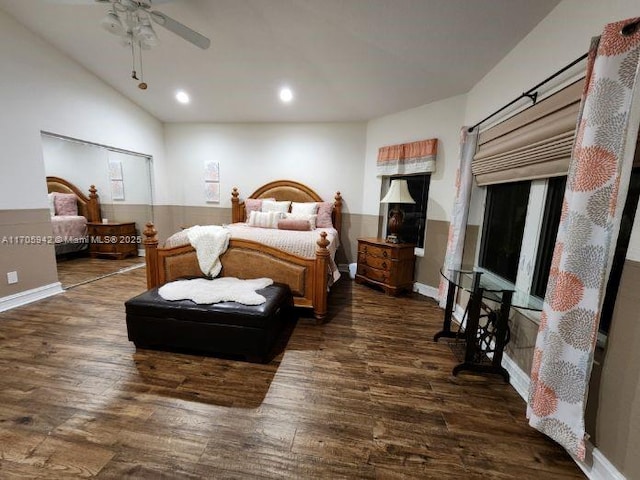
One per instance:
(224, 289)
(210, 242)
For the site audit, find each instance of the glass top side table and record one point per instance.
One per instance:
(485, 341)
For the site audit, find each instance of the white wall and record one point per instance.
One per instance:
(441, 120)
(135, 178)
(81, 164)
(561, 37)
(328, 157)
(43, 90)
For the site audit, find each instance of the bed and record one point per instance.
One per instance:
(308, 276)
(70, 230)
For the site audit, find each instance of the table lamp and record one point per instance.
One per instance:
(398, 193)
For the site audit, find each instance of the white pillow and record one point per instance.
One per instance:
(264, 219)
(272, 206)
(307, 208)
(52, 205)
(310, 218)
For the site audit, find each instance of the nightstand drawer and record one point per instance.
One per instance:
(375, 251)
(376, 262)
(374, 273)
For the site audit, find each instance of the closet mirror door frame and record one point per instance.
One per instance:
(124, 182)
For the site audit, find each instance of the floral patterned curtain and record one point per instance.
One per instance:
(597, 185)
(408, 158)
(460, 212)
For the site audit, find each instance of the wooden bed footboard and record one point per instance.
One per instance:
(307, 277)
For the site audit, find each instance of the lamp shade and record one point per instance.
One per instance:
(398, 193)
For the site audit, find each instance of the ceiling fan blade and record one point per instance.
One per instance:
(181, 30)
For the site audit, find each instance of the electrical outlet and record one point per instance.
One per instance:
(12, 277)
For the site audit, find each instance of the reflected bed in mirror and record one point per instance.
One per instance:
(123, 183)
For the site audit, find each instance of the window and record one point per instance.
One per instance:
(415, 215)
(549, 231)
(519, 231)
(503, 228)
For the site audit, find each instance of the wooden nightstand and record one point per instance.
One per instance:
(112, 240)
(388, 265)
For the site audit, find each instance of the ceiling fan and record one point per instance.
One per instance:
(132, 21)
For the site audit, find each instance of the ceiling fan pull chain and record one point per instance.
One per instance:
(134, 75)
(141, 85)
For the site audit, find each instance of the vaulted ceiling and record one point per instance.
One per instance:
(345, 60)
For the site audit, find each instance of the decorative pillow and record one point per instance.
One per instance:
(273, 206)
(264, 219)
(254, 205)
(291, 224)
(178, 239)
(307, 218)
(52, 207)
(324, 215)
(65, 204)
(307, 208)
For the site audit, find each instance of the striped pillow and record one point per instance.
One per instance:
(264, 219)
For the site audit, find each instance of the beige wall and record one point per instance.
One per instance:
(35, 264)
(355, 226)
(618, 419)
(140, 214)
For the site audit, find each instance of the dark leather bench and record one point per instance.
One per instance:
(219, 328)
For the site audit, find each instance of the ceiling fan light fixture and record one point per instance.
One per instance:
(112, 23)
(145, 35)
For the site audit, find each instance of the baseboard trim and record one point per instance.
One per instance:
(426, 290)
(518, 378)
(29, 296)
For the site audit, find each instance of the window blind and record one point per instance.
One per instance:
(535, 143)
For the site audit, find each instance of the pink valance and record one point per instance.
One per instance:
(408, 158)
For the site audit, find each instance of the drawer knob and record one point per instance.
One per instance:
(385, 254)
(384, 265)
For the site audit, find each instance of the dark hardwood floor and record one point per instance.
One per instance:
(367, 395)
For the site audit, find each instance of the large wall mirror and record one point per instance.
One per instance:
(123, 181)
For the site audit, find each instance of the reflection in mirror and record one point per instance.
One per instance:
(123, 183)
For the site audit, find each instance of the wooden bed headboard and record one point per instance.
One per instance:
(283, 190)
(88, 207)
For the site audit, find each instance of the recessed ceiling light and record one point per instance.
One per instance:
(286, 95)
(182, 97)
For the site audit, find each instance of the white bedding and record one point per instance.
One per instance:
(303, 244)
(69, 228)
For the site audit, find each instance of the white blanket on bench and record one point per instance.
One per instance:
(210, 242)
(223, 289)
